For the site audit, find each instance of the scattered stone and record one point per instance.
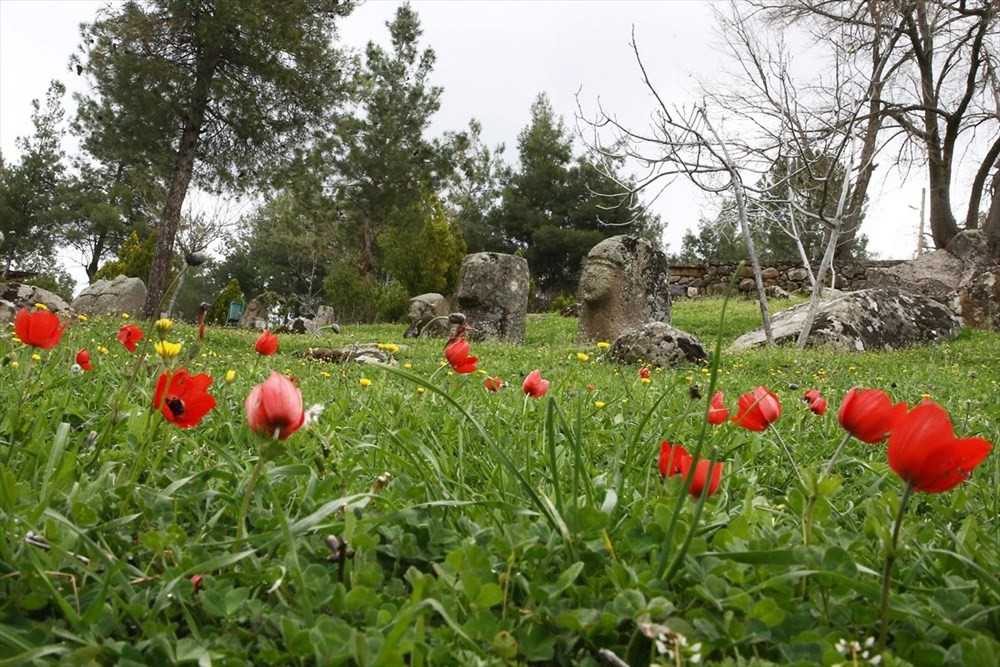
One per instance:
(798, 274)
(770, 273)
(301, 325)
(424, 312)
(493, 294)
(369, 353)
(775, 292)
(325, 317)
(623, 284)
(572, 310)
(254, 311)
(872, 319)
(657, 344)
(14, 296)
(112, 297)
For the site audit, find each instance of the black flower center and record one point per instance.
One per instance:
(175, 405)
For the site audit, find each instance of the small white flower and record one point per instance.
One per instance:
(313, 414)
(75, 369)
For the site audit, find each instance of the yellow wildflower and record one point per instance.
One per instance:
(81, 317)
(389, 347)
(599, 404)
(36, 357)
(14, 364)
(645, 380)
(407, 365)
(325, 374)
(124, 316)
(365, 382)
(603, 345)
(230, 376)
(163, 325)
(41, 306)
(582, 356)
(166, 349)
(102, 349)
(420, 390)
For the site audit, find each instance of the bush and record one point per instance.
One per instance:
(561, 303)
(220, 307)
(355, 299)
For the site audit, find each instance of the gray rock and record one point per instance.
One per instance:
(871, 319)
(301, 325)
(493, 294)
(979, 300)
(424, 311)
(255, 310)
(623, 284)
(325, 318)
(363, 354)
(935, 274)
(657, 344)
(14, 296)
(770, 273)
(112, 297)
(775, 292)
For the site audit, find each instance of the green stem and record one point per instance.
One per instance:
(836, 454)
(890, 558)
(791, 459)
(257, 469)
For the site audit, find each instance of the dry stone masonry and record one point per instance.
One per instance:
(493, 294)
(711, 279)
(623, 284)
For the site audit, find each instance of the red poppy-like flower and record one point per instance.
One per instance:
(705, 472)
(757, 409)
(717, 410)
(671, 457)
(274, 407)
(196, 581)
(267, 344)
(202, 311)
(493, 383)
(83, 360)
(868, 414)
(534, 385)
(644, 372)
(129, 336)
(183, 399)
(38, 329)
(816, 402)
(457, 354)
(924, 451)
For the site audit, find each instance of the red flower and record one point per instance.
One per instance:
(644, 372)
(493, 383)
(83, 360)
(757, 409)
(702, 476)
(869, 415)
(534, 385)
(196, 581)
(274, 407)
(129, 336)
(267, 344)
(671, 457)
(183, 399)
(457, 354)
(816, 402)
(924, 451)
(38, 329)
(717, 410)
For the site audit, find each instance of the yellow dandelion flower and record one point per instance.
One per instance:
(645, 380)
(166, 349)
(230, 376)
(36, 357)
(407, 365)
(41, 306)
(14, 364)
(582, 356)
(392, 348)
(325, 374)
(365, 382)
(599, 404)
(163, 324)
(124, 316)
(102, 349)
(624, 401)
(603, 345)
(926, 397)
(15, 339)
(81, 317)
(420, 390)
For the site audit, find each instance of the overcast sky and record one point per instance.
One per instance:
(493, 58)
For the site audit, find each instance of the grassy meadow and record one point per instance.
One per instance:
(423, 520)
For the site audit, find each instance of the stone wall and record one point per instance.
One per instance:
(712, 278)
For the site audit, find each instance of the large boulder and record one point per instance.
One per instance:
(962, 276)
(623, 284)
(657, 344)
(492, 293)
(325, 317)
(14, 296)
(428, 315)
(124, 294)
(871, 319)
(254, 313)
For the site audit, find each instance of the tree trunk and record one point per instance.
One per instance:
(95, 258)
(944, 227)
(187, 153)
(991, 161)
(992, 225)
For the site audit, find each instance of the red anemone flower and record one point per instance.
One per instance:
(493, 383)
(671, 457)
(129, 336)
(534, 385)
(924, 451)
(267, 344)
(644, 372)
(38, 329)
(457, 354)
(274, 407)
(83, 360)
(869, 415)
(717, 410)
(183, 399)
(816, 402)
(757, 409)
(705, 472)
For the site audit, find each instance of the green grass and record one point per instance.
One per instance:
(508, 531)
